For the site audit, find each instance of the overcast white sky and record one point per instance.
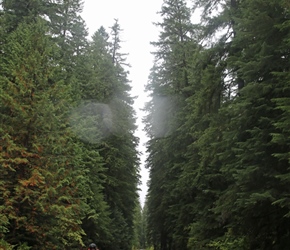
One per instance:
(136, 19)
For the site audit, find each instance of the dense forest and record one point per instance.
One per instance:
(69, 166)
(218, 122)
(218, 150)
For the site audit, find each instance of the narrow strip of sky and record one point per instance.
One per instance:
(136, 20)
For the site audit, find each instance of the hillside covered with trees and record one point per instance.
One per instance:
(69, 166)
(218, 122)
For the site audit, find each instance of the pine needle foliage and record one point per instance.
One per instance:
(69, 170)
(219, 171)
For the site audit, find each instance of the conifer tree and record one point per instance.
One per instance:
(120, 151)
(169, 84)
(256, 165)
(106, 93)
(41, 185)
(91, 122)
(213, 85)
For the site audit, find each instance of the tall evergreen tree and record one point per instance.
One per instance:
(107, 102)
(169, 85)
(41, 186)
(120, 151)
(91, 122)
(257, 166)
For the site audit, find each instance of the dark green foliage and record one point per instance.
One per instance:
(105, 122)
(125, 166)
(219, 170)
(256, 167)
(169, 86)
(37, 155)
(68, 157)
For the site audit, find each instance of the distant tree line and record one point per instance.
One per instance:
(218, 126)
(69, 166)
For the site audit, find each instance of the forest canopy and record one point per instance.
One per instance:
(217, 123)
